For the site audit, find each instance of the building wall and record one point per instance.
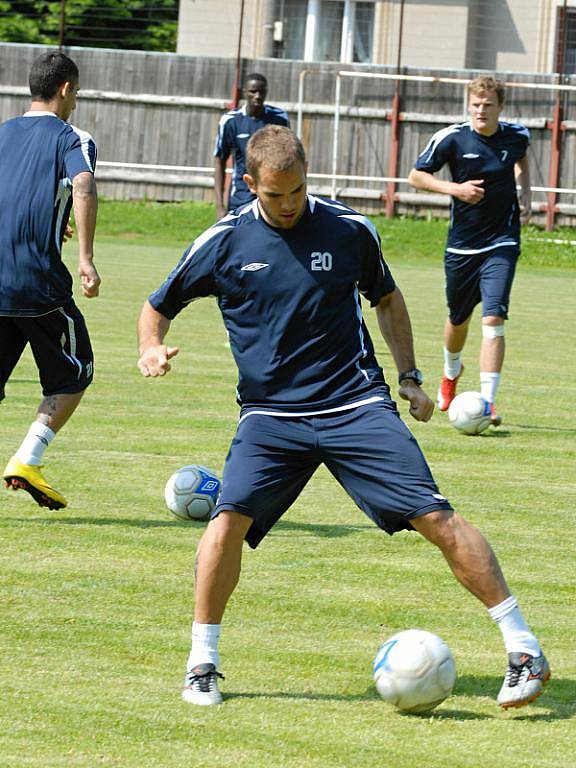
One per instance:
(503, 34)
(210, 27)
(434, 33)
(512, 35)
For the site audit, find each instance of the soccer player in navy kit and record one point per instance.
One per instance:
(288, 271)
(487, 158)
(234, 130)
(46, 165)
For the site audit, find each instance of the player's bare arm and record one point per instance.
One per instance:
(154, 354)
(396, 329)
(219, 179)
(522, 173)
(85, 199)
(471, 191)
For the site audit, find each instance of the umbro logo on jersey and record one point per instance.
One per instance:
(253, 267)
(471, 156)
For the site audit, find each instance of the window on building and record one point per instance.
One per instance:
(324, 30)
(364, 32)
(290, 29)
(329, 31)
(566, 41)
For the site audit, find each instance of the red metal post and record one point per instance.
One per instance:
(395, 127)
(394, 154)
(554, 167)
(236, 86)
(62, 27)
(556, 124)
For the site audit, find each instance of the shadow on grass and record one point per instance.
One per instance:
(491, 434)
(536, 428)
(103, 521)
(322, 530)
(559, 696)
(442, 713)
(559, 699)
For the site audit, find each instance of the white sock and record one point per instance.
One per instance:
(516, 633)
(452, 363)
(204, 650)
(34, 444)
(489, 385)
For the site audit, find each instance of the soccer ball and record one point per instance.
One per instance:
(191, 492)
(469, 413)
(414, 670)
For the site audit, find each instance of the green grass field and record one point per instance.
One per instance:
(96, 600)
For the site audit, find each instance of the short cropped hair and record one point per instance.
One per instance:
(486, 84)
(255, 76)
(275, 147)
(49, 72)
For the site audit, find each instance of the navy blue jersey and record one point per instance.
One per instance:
(39, 156)
(234, 131)
(290, 299)
(495, 220)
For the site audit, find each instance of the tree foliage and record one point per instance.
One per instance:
(149, 25)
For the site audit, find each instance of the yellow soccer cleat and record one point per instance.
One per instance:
(29, 478)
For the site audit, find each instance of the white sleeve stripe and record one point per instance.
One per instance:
(366, 222)
(518, 127)
(221, 125)
(347, 215)
(436, 139)
(85, 141)
(328, 203)
(202, 240)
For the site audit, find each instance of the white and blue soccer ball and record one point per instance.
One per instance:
(469, 413)
(191, 492)
(414, 670)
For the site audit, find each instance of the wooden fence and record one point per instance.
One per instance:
(149, 109)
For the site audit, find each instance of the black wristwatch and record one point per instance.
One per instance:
(414, 373)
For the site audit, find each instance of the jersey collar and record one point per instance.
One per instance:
(308, 210)
(244, 111)
(39, 113)
(481, 134)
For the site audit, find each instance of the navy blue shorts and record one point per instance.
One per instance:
(60, 344)
(481, 277)
(368, 449)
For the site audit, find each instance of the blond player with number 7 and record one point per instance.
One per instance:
(487, 159)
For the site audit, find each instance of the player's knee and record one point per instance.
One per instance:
(228, 527)
(434, 525)
(441, 527)
(493, 331)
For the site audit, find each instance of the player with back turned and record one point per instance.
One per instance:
(46, 166)
(487, 158)
(288, 272)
